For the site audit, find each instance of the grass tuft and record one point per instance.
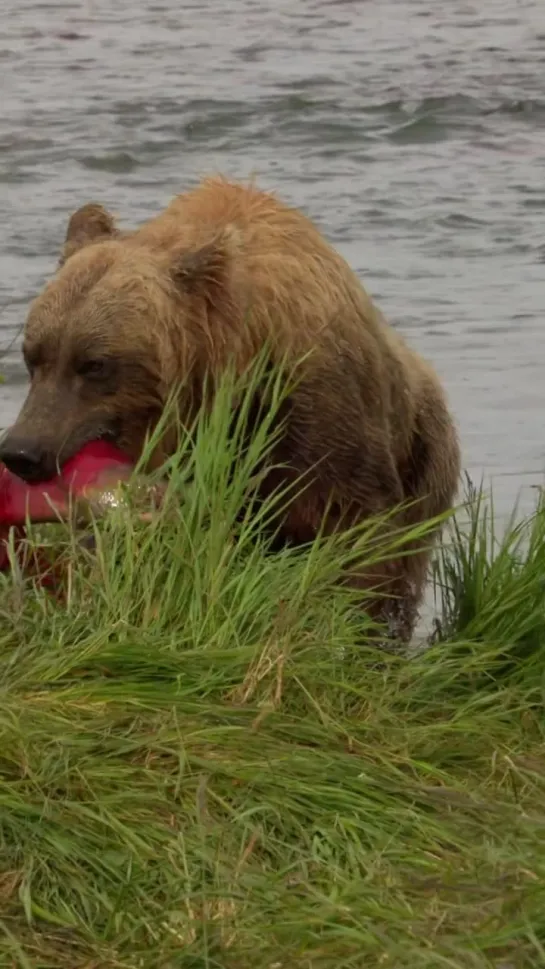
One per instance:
(206, 763)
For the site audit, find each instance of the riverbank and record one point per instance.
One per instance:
(204, 762)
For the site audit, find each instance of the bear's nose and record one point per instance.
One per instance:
(26, 459)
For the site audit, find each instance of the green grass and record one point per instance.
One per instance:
(205, 763)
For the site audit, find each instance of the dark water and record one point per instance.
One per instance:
(412, 130)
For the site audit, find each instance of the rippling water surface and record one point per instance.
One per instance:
(412, 131)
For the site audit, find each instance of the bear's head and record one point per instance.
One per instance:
(125, 318)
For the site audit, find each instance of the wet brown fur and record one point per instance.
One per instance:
(224, 268)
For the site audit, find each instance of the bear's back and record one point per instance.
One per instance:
(300, 290)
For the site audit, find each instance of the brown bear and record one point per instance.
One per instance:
(224, 269)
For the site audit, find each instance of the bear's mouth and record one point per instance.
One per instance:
(108, 431)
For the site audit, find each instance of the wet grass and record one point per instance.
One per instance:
(205, 762)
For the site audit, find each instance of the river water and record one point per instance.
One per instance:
(413, 131)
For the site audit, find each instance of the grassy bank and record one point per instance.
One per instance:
(204, 762)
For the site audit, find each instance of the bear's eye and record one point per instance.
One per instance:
(32, 357)
(93, 368)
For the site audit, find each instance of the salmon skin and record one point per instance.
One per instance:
(49, 501)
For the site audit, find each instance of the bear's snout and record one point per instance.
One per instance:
(27, 458)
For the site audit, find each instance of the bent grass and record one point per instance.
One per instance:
(205, 761)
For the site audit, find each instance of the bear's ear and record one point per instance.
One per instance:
(207, 269)
(88, 224)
